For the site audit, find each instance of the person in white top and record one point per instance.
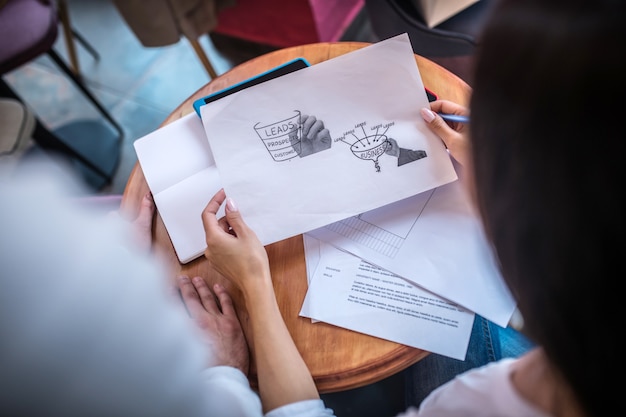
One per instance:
(542, 167)
(90, 324)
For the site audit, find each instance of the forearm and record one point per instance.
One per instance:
(283, 376)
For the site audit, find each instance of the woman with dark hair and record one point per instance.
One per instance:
(543, 171)
(545, 178)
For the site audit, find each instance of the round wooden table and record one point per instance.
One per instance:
(339, 359)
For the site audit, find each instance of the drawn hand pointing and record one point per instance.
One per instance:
(404, 155)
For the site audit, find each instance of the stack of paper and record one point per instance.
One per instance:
(435, 243)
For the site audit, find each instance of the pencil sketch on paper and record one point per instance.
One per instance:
(372, 146)
(301, 135)
(297, 135)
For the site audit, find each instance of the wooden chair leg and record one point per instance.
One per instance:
(64, 16)
(203, 57)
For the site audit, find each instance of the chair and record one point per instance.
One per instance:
(457, 36)
(69, 33)
(29, 29)
(163, 22)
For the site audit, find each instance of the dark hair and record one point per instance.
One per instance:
(548, 119)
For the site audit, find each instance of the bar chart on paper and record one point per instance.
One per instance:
(385, 229)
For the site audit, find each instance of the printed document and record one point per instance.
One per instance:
(434, 240)
(348, 292)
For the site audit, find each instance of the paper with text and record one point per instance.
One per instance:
(348, 292)
(327, 142)
(435, 240)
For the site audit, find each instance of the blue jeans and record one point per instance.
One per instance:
(488, 342)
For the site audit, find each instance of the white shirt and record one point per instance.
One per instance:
(88, 326)
(486, 392)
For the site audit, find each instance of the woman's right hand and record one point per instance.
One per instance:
(233, 249)
(453, 135)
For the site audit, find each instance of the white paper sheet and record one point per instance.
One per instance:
(347, 292)
(434, 240)
(181, 174)
(365, 98)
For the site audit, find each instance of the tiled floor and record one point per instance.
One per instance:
(140, 86)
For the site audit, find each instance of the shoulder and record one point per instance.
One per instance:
(485, 391)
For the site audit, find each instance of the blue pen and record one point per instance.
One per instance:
(454, 118)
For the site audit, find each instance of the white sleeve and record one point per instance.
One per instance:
(228, 393)
(486, 391)
(309, 408)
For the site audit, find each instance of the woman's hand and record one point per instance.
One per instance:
(233, 249)
(454, 135)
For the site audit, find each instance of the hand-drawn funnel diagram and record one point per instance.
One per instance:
(302, 135)
(297, 135)
(369, 147)
(372, 146)
(282, 138)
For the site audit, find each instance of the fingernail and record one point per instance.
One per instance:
(218, 287)
(231, 204)
(427, 115)
(183, 278)
(197, 280)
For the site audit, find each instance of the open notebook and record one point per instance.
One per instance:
(182, 190)
(179, 168)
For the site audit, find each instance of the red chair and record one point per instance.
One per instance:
(29, 29)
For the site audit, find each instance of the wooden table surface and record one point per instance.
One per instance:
(339, 359)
